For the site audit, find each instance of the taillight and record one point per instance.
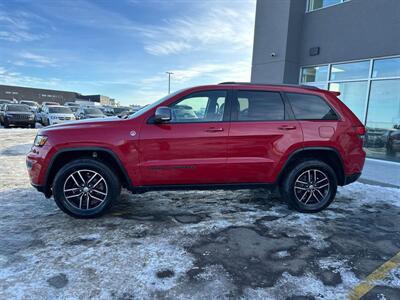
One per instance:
(360, 131)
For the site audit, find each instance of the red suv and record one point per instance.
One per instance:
(227, 136)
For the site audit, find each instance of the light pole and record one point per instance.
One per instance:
(169, 81)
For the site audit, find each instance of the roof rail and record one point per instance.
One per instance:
(308, 87)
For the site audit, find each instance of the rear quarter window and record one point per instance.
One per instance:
(311, 107)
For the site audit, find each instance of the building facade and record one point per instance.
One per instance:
(19, 93)
(350, 46)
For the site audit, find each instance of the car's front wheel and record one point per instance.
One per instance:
(310, 186)
(85, 188)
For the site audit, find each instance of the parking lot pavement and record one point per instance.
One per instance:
(218, 244)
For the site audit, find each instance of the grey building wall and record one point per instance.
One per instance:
(40, 95)
(353, 30)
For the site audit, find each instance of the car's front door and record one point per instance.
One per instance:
(192, 147)
(260, 137)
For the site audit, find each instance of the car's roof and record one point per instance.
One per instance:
(257, 86)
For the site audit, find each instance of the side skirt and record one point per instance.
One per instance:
(202, 187)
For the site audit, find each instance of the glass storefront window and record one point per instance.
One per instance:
(316, 4)
(389, 67)
(383, 120)
(371, 89)
(314, 74)
(353, 94)
(349, 71)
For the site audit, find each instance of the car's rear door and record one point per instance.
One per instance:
(261, 135)
(192, 147)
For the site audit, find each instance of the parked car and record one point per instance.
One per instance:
(18, 115)
(393, 143)
(39, 113)
(33, 105)
(89, 112)
(303, 140)
(4, 101)
(120, 110)
(375, 137)
(70, 104)
(107, 110)
(56, 114)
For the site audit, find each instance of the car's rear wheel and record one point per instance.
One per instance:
(310, 186)
(85, 188)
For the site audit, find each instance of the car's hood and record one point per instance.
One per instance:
(19, 112)
(83, 123)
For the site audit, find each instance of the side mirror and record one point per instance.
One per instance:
(163, 114)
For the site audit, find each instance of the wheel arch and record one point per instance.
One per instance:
(330, 156)
(103, 155)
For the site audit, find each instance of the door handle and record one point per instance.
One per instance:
(214, 129)
(287, 127)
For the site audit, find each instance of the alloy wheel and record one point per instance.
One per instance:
(85, 189)
(311, 187)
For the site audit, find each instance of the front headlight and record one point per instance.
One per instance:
(31, 117)
(40, 140)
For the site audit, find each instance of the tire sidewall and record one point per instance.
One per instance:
(113, 186)
(288, 188)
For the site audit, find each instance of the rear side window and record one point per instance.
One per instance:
(258, 106)
(311, 107)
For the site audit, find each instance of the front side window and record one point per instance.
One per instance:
(258, 106)
(207, 106)
(311, 107)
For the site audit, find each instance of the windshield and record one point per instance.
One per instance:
(18, 108)
(146, 108)
(119, 110)
(4, 101)
(59, 110)
(93, 111)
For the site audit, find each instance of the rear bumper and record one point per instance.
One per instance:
(351, 178)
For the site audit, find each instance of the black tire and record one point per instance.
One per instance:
(6, 124)
(293, 190)
(112, 188)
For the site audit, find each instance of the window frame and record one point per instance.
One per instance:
(287, 114)
(308, 10)
(339, 116)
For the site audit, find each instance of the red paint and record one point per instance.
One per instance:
(205, 153)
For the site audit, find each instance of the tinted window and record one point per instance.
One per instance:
(205, 106)
(258, 106)
(311, 107)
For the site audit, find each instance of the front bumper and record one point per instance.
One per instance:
(351, 178)
(13, 121)
(40, 188)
